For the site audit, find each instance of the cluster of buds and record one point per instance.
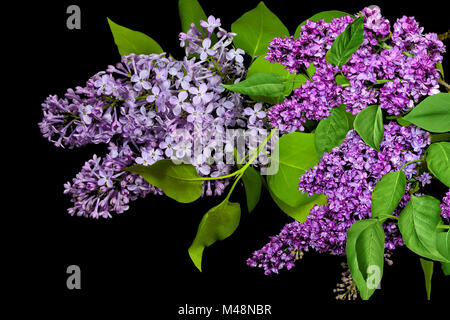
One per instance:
(346, 290)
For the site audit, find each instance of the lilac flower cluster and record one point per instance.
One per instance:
(151, 107)
(445, 206)
(393, 70)
(103, 187)
(347, 176)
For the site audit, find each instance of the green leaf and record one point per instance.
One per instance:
(260, 85)
(256, 28)
(403, 122)
(382, 81)
(342, 80)
(217, 224)
(346, 44)
(441, 70)
(427, 267)
(297, 153)
(350, 117)
(252, 185)
(262, 65)
(327, 16)
(130, 41)
(291, 80)
(300, 212)
(438, 161)
(443, 244)
(417, 224)
(365, 255)
(446, 268)
(190, 12)
(177, 181)
(331, 131)
(369, 125)
(387, 193)
(311, 70)
(432, 114)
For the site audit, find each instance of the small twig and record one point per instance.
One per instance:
(445, 84)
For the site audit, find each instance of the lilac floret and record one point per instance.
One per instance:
(445, 206)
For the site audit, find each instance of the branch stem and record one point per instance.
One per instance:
(445, 84)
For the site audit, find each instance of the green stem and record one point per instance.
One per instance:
(217, 178)
(385, 46)
(443, 226)
(112, 104)
(393, 117)
(408, 163)
(141, 97)
(249, 162)
(392, 217)
(216, 67)
(250, 154)
(242, 170)
(445, 84)
(70, 114)
(233, 186)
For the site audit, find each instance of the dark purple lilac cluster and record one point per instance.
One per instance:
(393, 70)
(151, 107)
(347, 176)
(445, 206)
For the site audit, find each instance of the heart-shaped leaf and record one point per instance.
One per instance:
(300, 212)
(252, 185)
(443, 244)
(129, 41)
(260, 85)
(178, 181)
(346, 43)
(190, 12)
(438, 161)
(365, 255)
(217, 224)
(297, 154)
(369, 125)
(417, 224)
(331, 131)
(387, 193)
(256, 28)
(432, 114)
(291, 80)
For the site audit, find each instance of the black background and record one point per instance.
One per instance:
(142, 254)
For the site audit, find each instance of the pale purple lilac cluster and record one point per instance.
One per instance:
(102, 187)
(445, 206)
(347, 176)
(151, 107)
(393, 70)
